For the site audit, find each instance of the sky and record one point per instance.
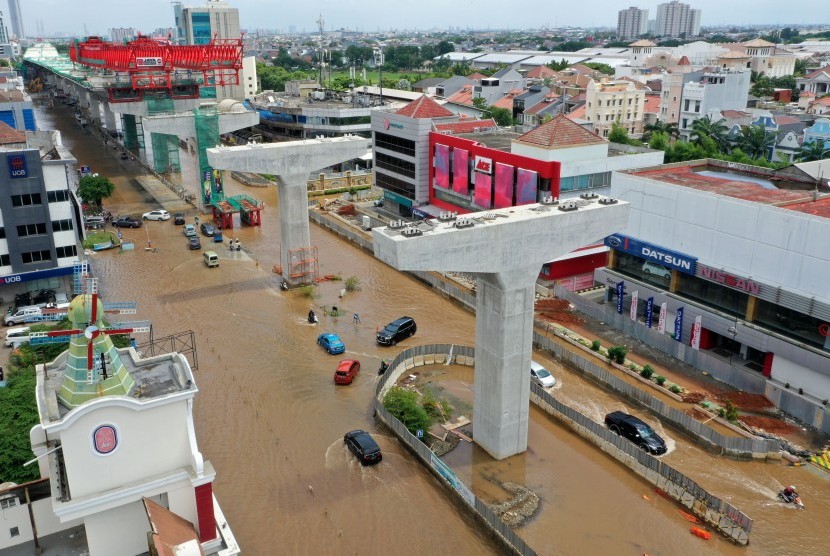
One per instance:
(96, 17)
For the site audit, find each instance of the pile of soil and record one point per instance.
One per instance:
(768, 424)
(557, 310)
(754, 403)
(695, 413)
(520, 508)
(693, 397)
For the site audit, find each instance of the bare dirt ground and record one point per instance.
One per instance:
(754, 403)
(769, 424)
(557, 310)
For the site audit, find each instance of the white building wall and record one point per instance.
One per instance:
(114, 532)
(163, 427)
(248, 76)
(773, 245)
(182, 502)
(582, 152)
(787, 371)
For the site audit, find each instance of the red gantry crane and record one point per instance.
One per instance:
(157, 65)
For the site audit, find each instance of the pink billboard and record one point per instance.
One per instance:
(483, 190)
(526, 186)
(461, 171)
(504, 185)
(442, 166)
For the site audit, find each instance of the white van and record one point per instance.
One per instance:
(16, 336)
(22, 314)
(211, 259)
(541, 375)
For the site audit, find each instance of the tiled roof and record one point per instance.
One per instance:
(9, 135)
(825, 70)
(757, 43)
(734, 114)
(424, 107)
(577, 113)
(684, 61)
(733, 55)
(652, 104)
(639, 85)
(464, 96)
(505, 102)
(786, 120)
(560, 132)
(476, 76)
(824, 101)
(541, 105)
(542, 72)
(466, 126)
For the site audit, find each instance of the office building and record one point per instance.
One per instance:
(16, 19)
(631, 23)
(676, 19)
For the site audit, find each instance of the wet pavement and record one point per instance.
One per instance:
(271, 420)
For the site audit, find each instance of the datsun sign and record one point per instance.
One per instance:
(660, 255)
(17, 166)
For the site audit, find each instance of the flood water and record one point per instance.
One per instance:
(270, 419)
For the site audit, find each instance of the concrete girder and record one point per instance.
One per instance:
(505, 249)
(183, 125)
(291, 162)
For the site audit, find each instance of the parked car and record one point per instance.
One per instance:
(159, 214)
(346, 371)
(23, 313)
(178, 219)
(636, 431)
(654, 269)
(207, 229)
(331, 343)
(362, 445)
(94, 222)
(541, 375)
(217, 236)
(397, 330)
(16, 336)
(189, 230)
(193, 243)
(126, 222)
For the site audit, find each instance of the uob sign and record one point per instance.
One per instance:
(17, 166)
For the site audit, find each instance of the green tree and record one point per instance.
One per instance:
(705, 127)
(757, 142)
(669, 129)
(658, 141)
(502, 116)
(403, 404)
(762, 87)
(94, 189)
(602, 68)
(618, 134)
(814, 150)
(559, 66)
(461, 68)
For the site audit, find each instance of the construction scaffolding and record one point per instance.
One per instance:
(207, 136)
(304, 266)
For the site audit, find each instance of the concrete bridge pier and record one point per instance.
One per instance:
(504, 340)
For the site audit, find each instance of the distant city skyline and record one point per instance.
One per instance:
(72, 18)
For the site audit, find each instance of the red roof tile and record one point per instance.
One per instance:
(505, 102)
(684, 61)
(466, 126)
(9, 135)
(560, 132)
(816, 73)
(463, 96)
(652, 104)
(578, 113)
(424, 107)
(785, 120)
(542, 72)
(476, 76)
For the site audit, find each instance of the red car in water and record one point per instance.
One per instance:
(346, 371)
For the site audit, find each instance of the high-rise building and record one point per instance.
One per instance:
(122, 34)
(16, 17)
(201, 24)
(631, 23)
(4, 34)
(676, 19)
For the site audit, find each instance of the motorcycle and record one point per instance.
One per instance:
(793, 499)
(312, 318)
(383, 366)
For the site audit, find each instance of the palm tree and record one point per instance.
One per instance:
(669, 128)
(814, 150)
(717, 131)
(757, 142)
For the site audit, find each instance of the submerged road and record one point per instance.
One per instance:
(271, 420)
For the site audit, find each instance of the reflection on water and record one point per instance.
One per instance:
(271, 420)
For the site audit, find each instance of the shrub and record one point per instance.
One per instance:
(403, 404)
(730, 412)
(434, 407)
(675, 389)
(617, 354)
(595, 345)
(308, 291)
(660, 379)
(352, 284)
(647, 371)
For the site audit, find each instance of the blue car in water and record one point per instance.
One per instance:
(331, 343)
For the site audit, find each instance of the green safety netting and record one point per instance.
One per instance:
(207, 136)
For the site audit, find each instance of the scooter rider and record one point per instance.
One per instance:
(790, 493)
(312, 317)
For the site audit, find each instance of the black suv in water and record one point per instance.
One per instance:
(397, 330)
(362, 445)
(636, 431)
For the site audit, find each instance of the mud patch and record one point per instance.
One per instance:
(520, 508)
(557, 310)
(768, 424)
(744, 401)
(693, 397)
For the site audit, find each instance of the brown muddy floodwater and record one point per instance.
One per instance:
(271, 420)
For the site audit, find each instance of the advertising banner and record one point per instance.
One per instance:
(620, 293)
(696, 332)
(634, 300)
(526, 187)
(442, 166)
(461, 171)
(653, 253)
(678, 325)
(504, 185)
(649, 311)
(483, 191)
(661, 320)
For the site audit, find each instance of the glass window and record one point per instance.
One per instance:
(714, 295)
(640, 269)
(394, 184)
(790, 323)
(397, 144)
(394, 164)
